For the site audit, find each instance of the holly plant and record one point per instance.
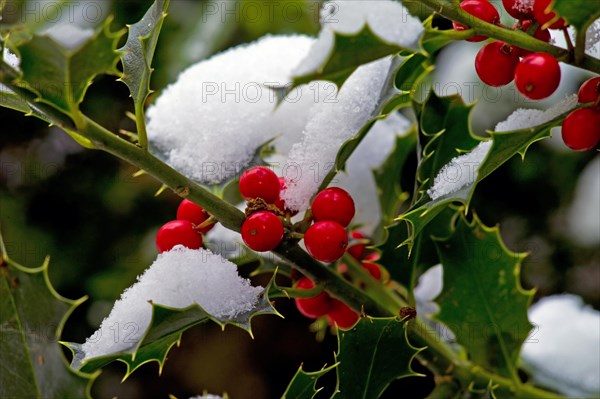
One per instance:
(350, 113)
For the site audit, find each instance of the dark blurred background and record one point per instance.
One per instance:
(98, 222)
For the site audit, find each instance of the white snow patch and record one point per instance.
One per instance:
(178, 278)
(428, 288)
(12, 60)
(563, 353)
(592, 39)
(358, 178)
(528, 118)
(459, 172)
(330, 125)
(583, 216)
(210, 122)
(387, 19)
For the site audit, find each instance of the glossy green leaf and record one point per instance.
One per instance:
(482, 301)
(348, 53)
(579, 13)
(165, 330)
(303, 384)
(372, 355)
(138, 51)
(32, 315)
(65, 74)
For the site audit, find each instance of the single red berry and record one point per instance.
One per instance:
(372, 256)
(540, 34)
(357, 251)
(262, 231)
(581, 129)
(589, 91)
(177, 232)
(316, 306)
(333, 204)
(326, 241)
(543, 14)
(537, 76)
(342, 315)
(496, 63)
(519, 9)
(480, 9)
(260, 182)
(373, 269)
(191, 212)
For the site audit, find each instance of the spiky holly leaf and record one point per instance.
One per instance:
(165, 330)
(65, 74)
(578, 13)
(303, 384)
(349, 51)
(482, 300)
(434, 39)
(372, 355)
(32, 315)
(138, 51)
(444, 135)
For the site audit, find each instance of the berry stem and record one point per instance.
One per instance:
(570, 45)
(206, 223)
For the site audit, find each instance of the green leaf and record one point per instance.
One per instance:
(579, 13)
(372, 355)
(165, 330)
(348, 53)
(138, 51)
(303, 384)
(32, 315)
(434, 39)
(65, 74)
(482, 300)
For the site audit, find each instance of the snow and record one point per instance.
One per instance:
(428, 288)
(592, 39)
(459, 172)
(209, 123)
(528, 118)
(12, 60)
(358, 178)
(177, 278)
(563, 352)
(583, 215)
(387, 19)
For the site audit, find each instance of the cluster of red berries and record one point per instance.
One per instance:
(536, 75)
(581, 128)
(187, 230)
(337, 312)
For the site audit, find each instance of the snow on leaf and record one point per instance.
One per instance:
(182, 288)
(32, 315)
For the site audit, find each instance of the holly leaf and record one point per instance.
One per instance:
(165, 330)
(32, 316)
(303, 384)
(138, 51)
(372, 355)
(482, 300)
(434, 39)
(578, 13)
(67, 72)
(349, 51)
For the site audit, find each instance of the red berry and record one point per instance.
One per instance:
(262, 231)
(519, 9)
(316, 306)
(537, 76)
(357, 251)
(590, 90)
(581, 129)
(540, 34)
(373, 269)
(177, 232)
(496, 63)
(326, 241)
(333, 204)
(372, 256)
(191, 212)
(260, 182)
(480, 9)
(342, 316)
(543, 14)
